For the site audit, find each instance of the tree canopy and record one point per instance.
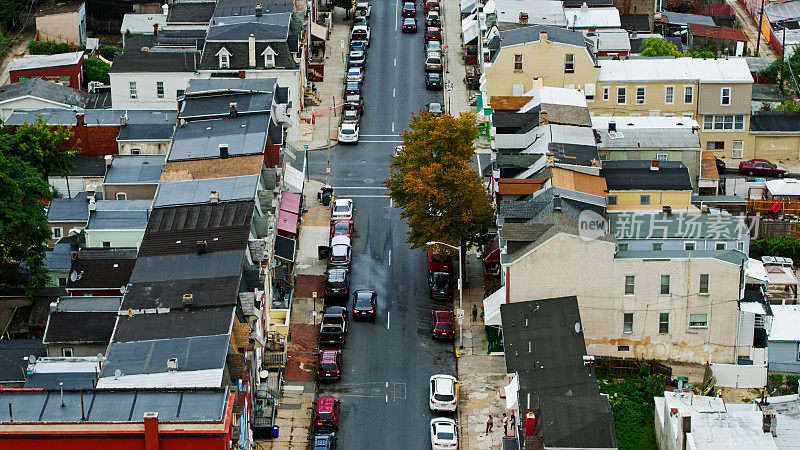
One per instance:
(433, 179)
(661, 47)
(45, 147)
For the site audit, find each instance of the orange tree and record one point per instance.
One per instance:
(435, 183)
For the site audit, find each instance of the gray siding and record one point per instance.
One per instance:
(677, 244)
(783, 357)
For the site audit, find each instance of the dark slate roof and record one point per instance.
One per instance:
(636, 175)
(152, 61)
(12, 351)
(128, 219)
(531, 34)
(267, 28)
(174, 230)
(174, 324)
(206, 86)
(216, 105)
(188, 266)
(642, 22)
(85, 166)
(775, 121)
(114, 405)
(219, 291)
(147, 357)
(766, 93)
(51, 380)
(38, 88)
(75, 209)
(101, 268)
(572, 422)
(135, 169)
(675, 18)
(227, 8)
(80, 327)
(58, 259)
(582, 155)
(240, 58)
(112, 117)
(200, 12)
(189, 192)
(515, 123)
(244, 135)
(149, 132)
(677, 226)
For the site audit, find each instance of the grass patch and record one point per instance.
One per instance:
(632, 405)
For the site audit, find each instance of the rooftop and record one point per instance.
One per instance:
(142, 23)
(531, 33)
(75, 372)
(733, 34)
(730, 70)
(220, 105)
(775, 121)
(55, 116)
(12, 352)
(46, 90)
(155, 61)
(677, 226)
(601, 17)
(190, 12)
(200, 169)
(545, 12)
(784, 323)
(727, 256)
(268, 27)
(577, 181)
(187, 266)
(74, 209)
(212, 291)
(120, 219)
(174, 324)
(172, 193)
(134, 169)
(243, 135)
(101, 268)
(227, 8)
(81, 327)
(42, 61)
(638, 176)
(674, 18)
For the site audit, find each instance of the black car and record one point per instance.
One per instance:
(337, 283)
(409, 9)
(432, 19)
(323, 440)
(364, 304)
(409, 25)
(352, 88)
(359, 20)
(433, 81)
(441, 284)
(354, 102)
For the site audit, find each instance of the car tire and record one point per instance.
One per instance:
(750, 173)
(781, 175)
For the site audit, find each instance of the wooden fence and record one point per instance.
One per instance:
(610, 365)
(765, 207)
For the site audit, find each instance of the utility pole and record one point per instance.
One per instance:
(783, 50)
(758, 27)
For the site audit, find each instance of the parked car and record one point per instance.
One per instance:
(333, 329)
(431, 5)
(443, 393)
(442, 326)
(348, 133)
(433, 46)
(353, 101)
(330, 365)
(359, 20)
(433, 81)
(435, 108)
(409, 25)
(340, 251)
(409, 9)
(337, 283)
(355, 74)
(351, 116)
(360, 33)
(433, 34)
(432, 19)
(323, 440)
(439, 262)
(356, 58)
(365, 303)
(441, 284)
(342, 209)
(326, 412)
(358, 45)
(337, 310)
(352, 88)
(342, 228)
(363, 9)
(444, 434)
(433, 62)
(761, 167)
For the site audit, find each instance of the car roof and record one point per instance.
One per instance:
(349, 125)
(443, 384)
(364, 292)
(329, 355)
(340, 240)
(443, 315)
(325, 404)
(342, 201)
(409, 19)
(360, 28)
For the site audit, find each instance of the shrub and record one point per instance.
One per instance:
(48, 48)
(780, 246)
(96, 70)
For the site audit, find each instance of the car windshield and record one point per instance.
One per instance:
(444, 326)
(352, 86)
(354, 72)
(336, 276)
(325, 416)
(341, 207)
(440, 280)
(443, 397)
(331, 329)
(360, 34)
(445, 436)
(435, 107)
(328, 366)
(434, 61)
(408, 6)
(408, 22)
(363, 300)
(348, 131)
(341, 228)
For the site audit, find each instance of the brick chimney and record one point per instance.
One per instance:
(150, 430)
(543, 36)
(79, 119)
(523, 18)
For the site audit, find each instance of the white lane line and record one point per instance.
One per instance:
(390, 252)
(396, 14)
(379, 135)
(388, 319)
(394, 92)
(392, 127)
(387, 384)
(391, 204)
(387, 398)
(395, 62)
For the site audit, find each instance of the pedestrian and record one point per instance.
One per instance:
(513, 423)
(489, 424)
(474, 313)
(505, 424)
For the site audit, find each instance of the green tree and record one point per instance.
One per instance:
(434, 181)
(96, 70)
(23, 223)
(774, 68)
(659, 47)
(788, 105)
(46, 148)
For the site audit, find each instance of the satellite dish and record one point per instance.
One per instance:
(73, 276)
(99, 356)
(32, 359)
(577, 327)
(263, 374)
(117, 373)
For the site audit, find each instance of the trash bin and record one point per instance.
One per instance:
(275, 430)
(323, 251)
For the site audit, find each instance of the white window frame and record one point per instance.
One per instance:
(569, 63)
(644, 95)
(57, 232)
(625, 323)
(662, 322)
(269, 57)
(65, 350)
(661, 285)
(689, 115)
(662, 156)
(160, 89)
(688, 91)
(688, 243)
(740, 246)
(632, 285)
(669, 95)
(136, 151)
(224, 58)
(723, 122)
(719, 244)
(725, 96)
(739, 150)
(519, 65)
(698, 316)
(624, 90)
(121, 196)
(606, 93)
(132, 89)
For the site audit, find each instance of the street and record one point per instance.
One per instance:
(387, 364)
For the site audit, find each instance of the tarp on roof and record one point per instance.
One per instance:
(491, 307)
(290, 202)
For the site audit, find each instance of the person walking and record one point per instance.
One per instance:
(474, 313)
(489, 424)
(505, 424)
(513, 423)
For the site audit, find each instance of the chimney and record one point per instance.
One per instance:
(155, 29)
(223, 151)
(543, 117)
(123, 119)
(109, 159)
(92, 204)
(213, 197)
(53, 306)
(543, 36)
(150, 430)
(172, 365)
(654, 164)
(186, 301)
(234, 109)
(530, 422)
(523, 18)
(165, 9)
(251, 50)
(79, 119)
(536, 83)
(90, 190)
(259, 10)
(612, 126)
(584, 8)
(202, 247)
(556, 202)
(769, 422)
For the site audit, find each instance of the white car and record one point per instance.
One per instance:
(342, 209)
(355, 74)
(443, 393)
(348, 133)
(444, 434)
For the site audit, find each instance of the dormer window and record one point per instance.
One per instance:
(224, 58)
(269, 57)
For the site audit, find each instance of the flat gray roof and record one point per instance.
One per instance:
(188, 266)
(95, 116)
(134, 169)
(171, 193)
(150, 357)
(244, 135)
(85, 304)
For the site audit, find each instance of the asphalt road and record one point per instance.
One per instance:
(384, 389)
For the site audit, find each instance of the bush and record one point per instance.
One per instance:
(96, 70)
(632, 404)
(780, 246)
(107, 52)
(48, 48)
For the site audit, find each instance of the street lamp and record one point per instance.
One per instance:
(460, 291)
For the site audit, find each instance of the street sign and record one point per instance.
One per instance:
(341, 44)
(459, 284)
(460, 314)
(460, 321)
(314, 294)
(305, 147)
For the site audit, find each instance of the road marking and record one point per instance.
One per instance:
(387, 398)
(388, 318)
(391, 205)
(368, 196)
(396, 14)
(394, 92)
(381, 142)
(392, 127)
(390, 252)
(395, 62)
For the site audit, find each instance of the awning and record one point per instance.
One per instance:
(287, 223)
(491, 307)
(755, 272)
(290, 202)
(293, 179)
(492, 250)
(284, 248)
(470, 33)
(781, 276)
(318, 32)
(752, 307)
(511, 392)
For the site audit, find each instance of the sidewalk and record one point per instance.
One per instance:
(481, 376)
(455, 70)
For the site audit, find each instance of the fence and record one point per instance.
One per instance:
(775, 228)
(611, 365)
(739, 376)
(766, 207)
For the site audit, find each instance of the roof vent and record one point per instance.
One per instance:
(259, 10)
(223, 151)
(234, 109)
(202, 247)
(213, 197)
(654, 164)
(108, 159)
(172, 365)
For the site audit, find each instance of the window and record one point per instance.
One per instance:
(688, 94)
(740, 246)
(669, 94)
(629, 284)
(66, 352)
(569, 63)
(623, 348)
(715, 145)
(269, 59)
(720, 246)
(589, 90)
(611, 200)
(122, 196)
(725, 96)
(62, 281)
(160, 89)
(135, 151)
(704, 283)
(621, 93)
(644, 199)
(517, 63)
(132, 88)
(623, 247)
(58, 232)
(640, 95)
(662, 157)
(663, 323)
(698, 320)
(723, 122)
(106, 244)
(224, 61)
(664, 284)
(689, 115)
(606, 93)
(737, 151)
(657, 246)
(688, 245)
(627, 323)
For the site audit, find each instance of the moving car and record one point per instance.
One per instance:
(431, 5)
(444, 434)
(365, 303)
(432, 19)
(330, 365)
(323, 440)
(340, 251)
(443, 393)
(441, 284)
(433, 81)
(435, 108)
(360, 33)
(348, 133)
(355, 74)
(433, 34)
(409, 9)
(356, 58)
(342, 228)
(337, 283)
(761, 167)
(409, 25)
(342, 209)
(433, 62)
(442, 324)
(326, 412)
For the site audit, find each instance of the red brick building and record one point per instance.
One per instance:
(63, 68)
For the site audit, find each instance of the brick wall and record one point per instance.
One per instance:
(74, 72)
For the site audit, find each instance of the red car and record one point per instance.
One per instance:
(439, 262)
(342, 228)
(326, 412)
(442, 324)
(330, 365)
(433, 34)
(761, 167)
(431, 5)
